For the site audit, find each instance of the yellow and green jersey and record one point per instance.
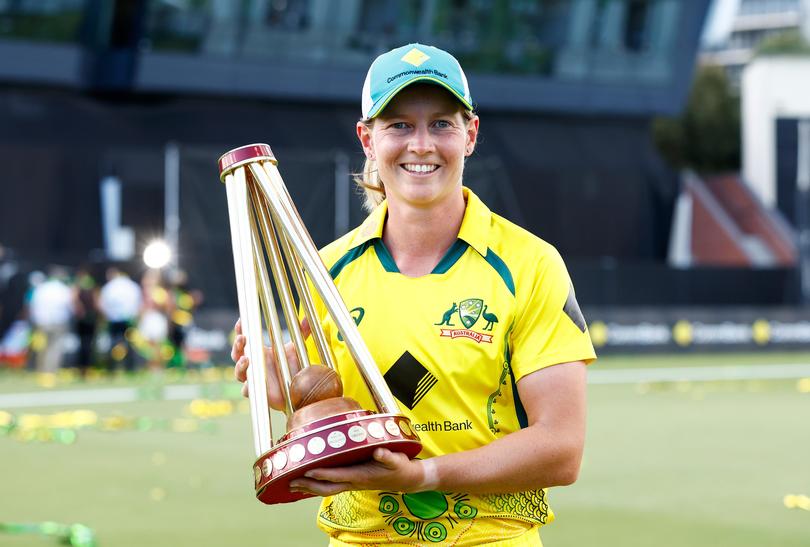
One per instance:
(452, 345)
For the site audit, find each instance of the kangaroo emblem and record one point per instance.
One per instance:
(490, 318)
(448, 315)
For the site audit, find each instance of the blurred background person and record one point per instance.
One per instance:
(153, 325)
(35, 338)
(85, 305)
(51, 309)
(120, 303)
(14, 324)
(8, 268)
(183, 303)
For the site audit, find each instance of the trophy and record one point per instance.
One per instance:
(324, 429)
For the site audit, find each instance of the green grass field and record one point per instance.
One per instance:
(666, 465)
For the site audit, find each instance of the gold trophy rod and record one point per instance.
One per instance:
(308, 306)
(321, 343)
(268, 306)
(270, 180)
(316, 329)
(280, 275)
(245, 273)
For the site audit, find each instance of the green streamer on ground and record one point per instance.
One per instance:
(76, 535)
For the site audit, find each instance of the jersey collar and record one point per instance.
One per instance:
(474, 226)
(476, 222)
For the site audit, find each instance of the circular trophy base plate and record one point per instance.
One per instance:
(341, 440)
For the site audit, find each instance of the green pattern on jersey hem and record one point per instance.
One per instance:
(452, 256)
(342, 511)
(426, 516)
(531, 505)
(500, 266)
(350, 256)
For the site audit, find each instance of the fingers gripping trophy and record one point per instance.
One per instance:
(324, 429)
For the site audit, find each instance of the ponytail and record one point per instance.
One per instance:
(369, 181)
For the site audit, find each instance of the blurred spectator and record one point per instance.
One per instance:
(184, 301)
(8, 268)
(85, 305)
(51, 309)
(16, 331)
(154, 323)
(14, 345)
(120, 302)
(35, 279)
(36, 341)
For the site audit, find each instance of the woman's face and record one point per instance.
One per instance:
(419, 143)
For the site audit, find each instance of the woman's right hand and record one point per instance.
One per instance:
(242, 363)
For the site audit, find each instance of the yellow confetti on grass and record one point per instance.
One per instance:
(157, 494)
(797, 501)
(203, 408)
(46, 379)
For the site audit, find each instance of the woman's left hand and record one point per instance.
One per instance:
(387, 471)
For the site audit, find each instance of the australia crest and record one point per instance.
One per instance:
(468, 311)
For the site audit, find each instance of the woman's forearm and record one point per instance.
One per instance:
(528, 459)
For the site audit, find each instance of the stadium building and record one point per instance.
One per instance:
(755, 21)
(112, 116)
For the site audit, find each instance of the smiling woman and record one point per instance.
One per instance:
(472, 321)
(419, 143)
(451, 125)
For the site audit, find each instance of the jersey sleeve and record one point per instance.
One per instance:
(549, 326)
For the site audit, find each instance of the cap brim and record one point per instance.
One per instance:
(378, 107)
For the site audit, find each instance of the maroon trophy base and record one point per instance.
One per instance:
(346, 439)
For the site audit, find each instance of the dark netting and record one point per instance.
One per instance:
(593, 186)
(205, 233)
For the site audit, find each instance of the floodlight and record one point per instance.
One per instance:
(157, 254)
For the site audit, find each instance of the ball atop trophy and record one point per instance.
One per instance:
(324, 428)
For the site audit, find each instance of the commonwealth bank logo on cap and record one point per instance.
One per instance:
(392, 72)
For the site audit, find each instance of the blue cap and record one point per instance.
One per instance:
(392, 72)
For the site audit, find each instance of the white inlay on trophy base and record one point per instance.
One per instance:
(357, 434)
(279, 460)
(297, 453)
(392, 428)
(316, 445)
(375, 429)
(336, 439)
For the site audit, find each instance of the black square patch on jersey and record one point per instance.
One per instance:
(409, 380)
(572, 310)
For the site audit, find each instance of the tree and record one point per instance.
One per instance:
(784, 43)
(706, 136)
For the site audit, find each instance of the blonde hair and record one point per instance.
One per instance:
(368, 180)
